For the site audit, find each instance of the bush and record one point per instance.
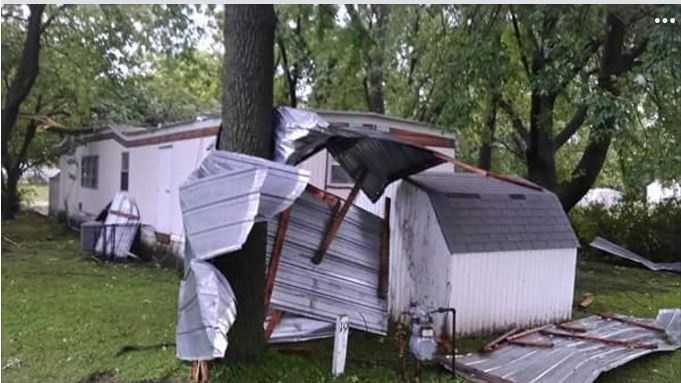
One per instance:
(653, 231)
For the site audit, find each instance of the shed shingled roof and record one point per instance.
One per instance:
(483, 214)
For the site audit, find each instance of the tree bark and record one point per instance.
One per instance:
(541, 164)
(486, 149)
(375, 70)
(613, 63)
(19, 89)
(247, 128)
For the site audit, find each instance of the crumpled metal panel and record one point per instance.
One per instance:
(611, 248)
(220, 202)
(206, 309)
(345, 282)
(120, 228)
(573, 360)
(222, 199)
(294, 328)
(384, 158)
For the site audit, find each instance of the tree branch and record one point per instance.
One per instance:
(588, 51)
(50, 19)
(516, 122)
(523, 58)
(570, 128)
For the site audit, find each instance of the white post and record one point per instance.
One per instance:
(340, 345)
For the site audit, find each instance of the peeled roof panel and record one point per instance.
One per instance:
(222, 199)
(345, 282)
(535, 221)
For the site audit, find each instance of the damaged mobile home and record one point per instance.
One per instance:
(405, 230)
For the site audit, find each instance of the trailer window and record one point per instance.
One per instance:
(125, 170)
(88, 171)
(336, 175)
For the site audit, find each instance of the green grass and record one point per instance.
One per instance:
(66, 317)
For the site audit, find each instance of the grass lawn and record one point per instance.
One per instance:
(67, 317)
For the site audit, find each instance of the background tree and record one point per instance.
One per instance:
(82, 65)
(247, 128)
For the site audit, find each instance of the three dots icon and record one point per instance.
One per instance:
(665, 20)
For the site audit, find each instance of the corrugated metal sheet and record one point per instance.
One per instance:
(609, 247)
(220, 202)
(294, 328)
(573, 360)
(206, 309)
(373, 157)
(228, 193)
(345, 282)
(491, 290)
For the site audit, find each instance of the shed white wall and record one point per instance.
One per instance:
(419, 259)
(490, 291)
(499, 290)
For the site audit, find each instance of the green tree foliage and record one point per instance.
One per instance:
(567, 96)
(97, 64)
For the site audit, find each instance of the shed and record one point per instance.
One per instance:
(501, 254)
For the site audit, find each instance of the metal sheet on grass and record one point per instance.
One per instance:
(573, 360)
(611, 248)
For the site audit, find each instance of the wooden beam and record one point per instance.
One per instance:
(273, 266)
(384, 260)
(611, 342)
(531, 343)
(275, 317)
(528, 332)
(632, 322)
(336, 221)
(491, 346)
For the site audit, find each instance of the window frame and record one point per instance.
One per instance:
(330, 164)
(89, 171)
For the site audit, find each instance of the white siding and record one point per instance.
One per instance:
(143, 178)
(419, 258)
(497, 291)
(490, 291)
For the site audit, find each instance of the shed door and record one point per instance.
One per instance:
(165, 178)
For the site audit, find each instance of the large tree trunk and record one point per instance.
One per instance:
(613, 63)
(488, 135)
(375, 67)
(19, 89)
(10, 194)
(247, 128)
(541, 164)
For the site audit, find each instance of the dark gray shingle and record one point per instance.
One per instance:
(479, 214)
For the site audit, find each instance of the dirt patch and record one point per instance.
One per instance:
(100, 377)
(109, 377)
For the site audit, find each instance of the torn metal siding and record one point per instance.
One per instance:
(206, 309)
(572, 360)
(293, 328)
(220, 202)
(229, 192)
(611, 248)
(345, 282)
(371, 157)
